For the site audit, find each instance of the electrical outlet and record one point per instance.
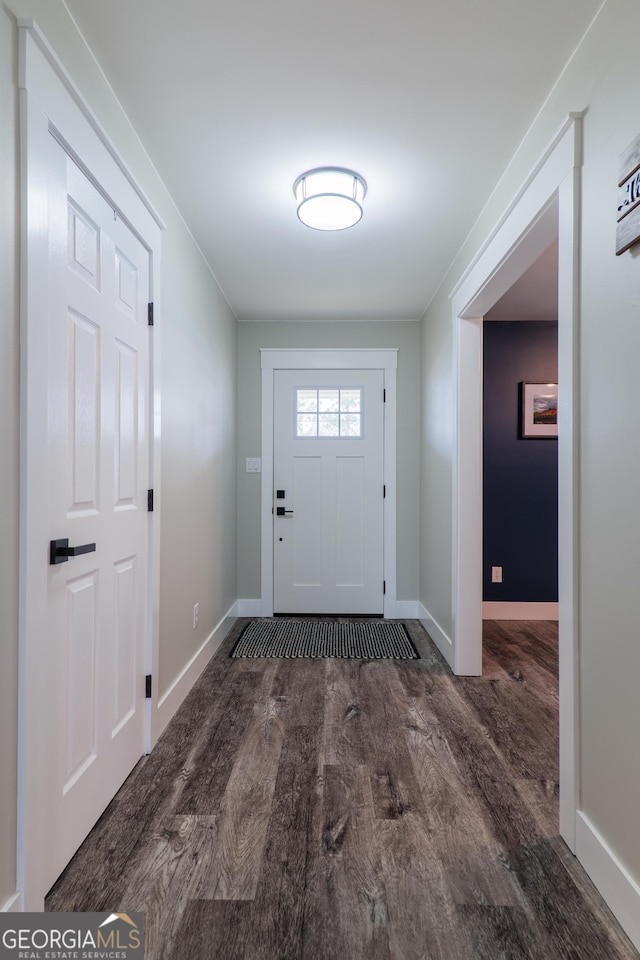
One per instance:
(496, 574)
(196, 615)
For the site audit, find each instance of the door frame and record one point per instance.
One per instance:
(51, 105)
(385, 359)
(548, 203)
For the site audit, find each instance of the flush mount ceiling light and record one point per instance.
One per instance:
(329, 198)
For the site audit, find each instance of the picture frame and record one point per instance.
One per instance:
(538, 410)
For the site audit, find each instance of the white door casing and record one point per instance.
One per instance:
(52, 109)
(548, 201)
(328, 535)
(272, 360)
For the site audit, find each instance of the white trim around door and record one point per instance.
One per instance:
(52, 106)
(324, 359)
(547, 206)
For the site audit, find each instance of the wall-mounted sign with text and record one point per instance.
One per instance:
(628, 231)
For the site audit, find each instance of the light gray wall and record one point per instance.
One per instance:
(199, 361)
(436, 449)
(199, 364)
(602, 78)
(253, 336)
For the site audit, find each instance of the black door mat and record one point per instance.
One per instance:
(354, 639)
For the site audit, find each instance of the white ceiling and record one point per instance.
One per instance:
(426, 99)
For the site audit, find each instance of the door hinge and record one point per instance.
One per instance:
(384, 396)
(384, 586)
(384, 490)
(150, 501)
(150, 314)
(147, 687)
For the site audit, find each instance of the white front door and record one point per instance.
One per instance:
(97, 384)
(328, 491)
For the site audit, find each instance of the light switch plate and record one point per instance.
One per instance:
(254, 465)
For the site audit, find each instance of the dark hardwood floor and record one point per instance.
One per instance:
(338, 810)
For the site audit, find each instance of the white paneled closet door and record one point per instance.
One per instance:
(98, 452)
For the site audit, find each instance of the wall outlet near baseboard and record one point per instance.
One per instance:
(196, 615)
(496, 574)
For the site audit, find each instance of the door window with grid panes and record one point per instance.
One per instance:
(329, 412)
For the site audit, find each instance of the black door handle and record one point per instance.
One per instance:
(60, 551)
(281, 512)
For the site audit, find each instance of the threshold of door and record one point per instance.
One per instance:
(359, 616)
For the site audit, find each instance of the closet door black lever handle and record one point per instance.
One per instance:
(60, 551)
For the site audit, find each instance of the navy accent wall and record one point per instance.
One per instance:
(520, 476)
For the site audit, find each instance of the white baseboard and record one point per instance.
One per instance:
(170, 701)
(618, 888)
(442, 640)
(406, 610)
(499, 610)
(402, 609)
(13, 904)
(247, 608)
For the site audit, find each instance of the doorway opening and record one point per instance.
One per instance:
(520, 448)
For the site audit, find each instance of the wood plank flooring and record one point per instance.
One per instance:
(343, 810)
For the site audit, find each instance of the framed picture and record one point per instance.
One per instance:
(539, 410)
